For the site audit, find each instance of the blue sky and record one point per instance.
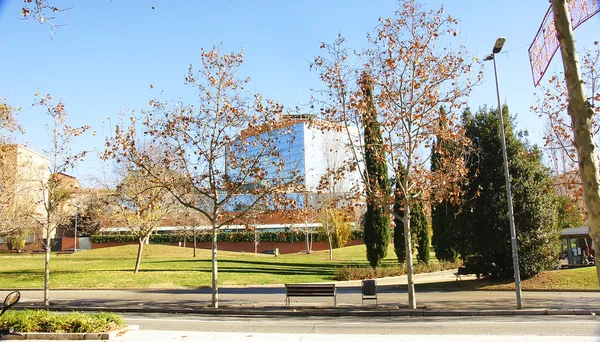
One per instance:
(103, 60)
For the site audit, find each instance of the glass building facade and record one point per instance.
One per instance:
(308, 149)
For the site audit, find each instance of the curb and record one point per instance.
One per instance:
(229, 311)
(70, 336)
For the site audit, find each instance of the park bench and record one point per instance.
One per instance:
(310, 290)
(466, 271)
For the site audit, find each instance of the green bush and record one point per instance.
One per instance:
(16, 242)
(104, 238)
(357, 235)
(75, 322)
(366, 272)
(246, 236)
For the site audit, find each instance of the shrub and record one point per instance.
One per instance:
(75, 322)
(246, 236)
(367, 272)
(16, 242)
(357, 235)
(354, 272)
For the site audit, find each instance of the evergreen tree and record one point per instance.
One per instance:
(418, 228)
(421, 228)
(399, 226)
(399, 246)
(377, 221)
(483, 220)
(446, 236)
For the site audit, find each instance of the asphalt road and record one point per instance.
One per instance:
(500, 326)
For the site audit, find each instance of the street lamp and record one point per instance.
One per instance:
(511, 217)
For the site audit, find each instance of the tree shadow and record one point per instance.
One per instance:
(464, 285)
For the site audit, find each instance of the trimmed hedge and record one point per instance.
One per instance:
(221, 237)
(358, 272)
(52, 322)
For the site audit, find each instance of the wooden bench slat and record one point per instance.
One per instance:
(310, 290)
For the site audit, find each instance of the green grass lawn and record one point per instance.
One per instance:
(570, 279)
(175, 267)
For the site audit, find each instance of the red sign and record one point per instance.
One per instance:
(546, 43)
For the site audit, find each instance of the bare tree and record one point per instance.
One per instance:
(8, 121)
(192, 224)
(42, 11)
(552, 105)
(225, 150)
(55, 193)
(413, 72)
(142, 205)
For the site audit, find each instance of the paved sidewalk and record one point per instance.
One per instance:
(149, 335)
(270, 300)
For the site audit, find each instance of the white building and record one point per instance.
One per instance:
(24, 175)
(319, 154)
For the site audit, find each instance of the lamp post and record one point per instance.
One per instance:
(511, 217)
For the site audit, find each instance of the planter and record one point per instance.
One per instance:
(69, 336)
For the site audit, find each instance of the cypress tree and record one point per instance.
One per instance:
(399, 226)
(418, 228)
(446, 237)
(399, 247)
(421, 229)
(377, 221)
(484, 217)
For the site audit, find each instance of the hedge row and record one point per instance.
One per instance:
(221, 237)
(52, 322)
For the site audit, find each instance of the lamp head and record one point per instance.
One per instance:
(499, 44)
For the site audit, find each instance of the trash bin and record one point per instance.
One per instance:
(276, 251)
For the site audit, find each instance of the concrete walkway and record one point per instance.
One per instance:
(270, 300)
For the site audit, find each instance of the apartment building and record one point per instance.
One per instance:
(24, 174)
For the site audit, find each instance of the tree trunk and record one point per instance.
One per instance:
(138, 261)
(329, 240)
(412, 303)
(306, 242)
(581, 114)
(215, 272)
(255, 241)
(47, 271)
(195, 243)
